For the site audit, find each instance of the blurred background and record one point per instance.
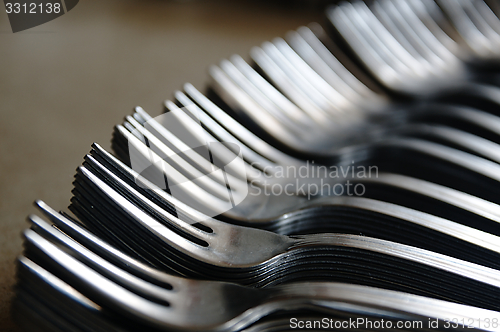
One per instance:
(66, 83)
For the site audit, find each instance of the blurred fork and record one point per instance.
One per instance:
(227, 129)
(236, 78)
(392, 58)
(455, 138)
(478, 25)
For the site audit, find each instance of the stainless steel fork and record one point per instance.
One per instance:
(410, 51)
(170, 306)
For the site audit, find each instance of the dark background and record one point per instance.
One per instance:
(65, 84)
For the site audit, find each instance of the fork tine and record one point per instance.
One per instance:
(447, 70)
(423, 32)
(271, 92)
(233, 174)
(377, 63)
(103, 266)
(238, 133)
(289, 88)
(184, 188)
(482, 24)
(166, 201)
(246, 107)
(41, 295)
(317, 63)
(488, 14)
(251, 156)
(234, 188)
(103, 289)
(429, 13)
(95, 244)
(466, 28)
(366, 20)
(387, 15)
(292, 119)
(213, 184)
(300, 81)
(297, 66)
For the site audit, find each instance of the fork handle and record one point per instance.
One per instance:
(366, 299)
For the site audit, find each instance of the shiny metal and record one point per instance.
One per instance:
(314, 108)
(448, 195)
(297, 136)
(227, 129)
(323, 113)
(408, 52)
(390, 56)
(286, 218)
(310, 48)
(469, 142)
(224, 314)
(268, 240)
(477, 25)
(223, 249)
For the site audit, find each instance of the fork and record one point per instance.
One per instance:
(386, 53)
(342, 214)
(226, 129)
(325, 108)
(84, 312)
(455, 137)
(478, 26)
(320, 141)
(176, 311)
(270, 218)
(223, 250)
(298, 222)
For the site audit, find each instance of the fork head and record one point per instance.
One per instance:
(185, 305)
(223, 244)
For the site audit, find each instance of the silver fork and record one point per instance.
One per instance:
(249, 211)
(481, 273)
(456, 198)
(326, 107)
(477, 25)
(413, 35)
(223, 314)
(349, 21)
(470, 142)
(337, 134)
(301, 137)
(466, 18)
(227, 129)
(231, 253)
(399, 68)
(464, 233)
(310, 48)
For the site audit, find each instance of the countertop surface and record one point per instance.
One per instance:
(66, 83)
